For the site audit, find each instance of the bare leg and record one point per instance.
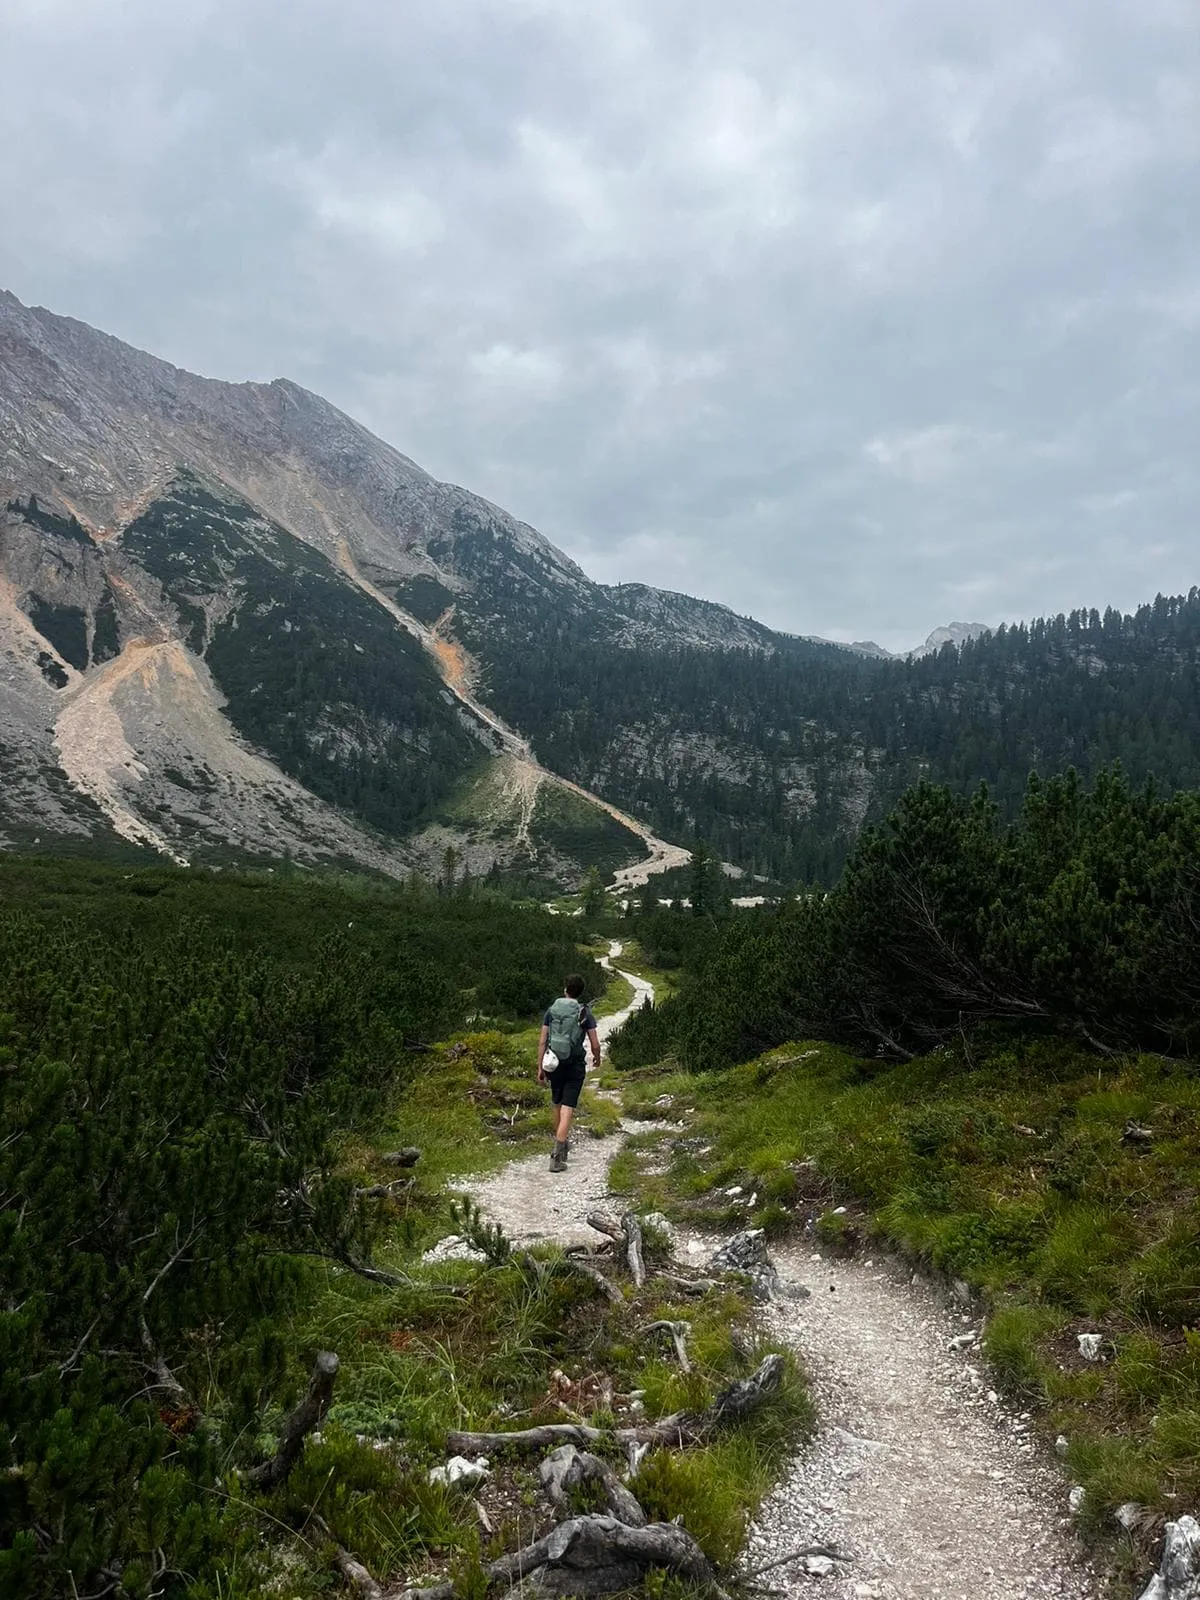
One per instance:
(563, 1129)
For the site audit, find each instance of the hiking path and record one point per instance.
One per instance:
(928, 1484)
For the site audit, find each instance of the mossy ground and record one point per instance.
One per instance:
(1008, 1163)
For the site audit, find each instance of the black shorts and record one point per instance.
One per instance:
(566, 1085)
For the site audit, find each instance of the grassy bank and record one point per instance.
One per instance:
(1061, 1186)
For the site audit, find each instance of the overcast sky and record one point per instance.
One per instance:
(859, 315)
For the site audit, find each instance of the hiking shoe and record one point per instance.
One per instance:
(558, 1161)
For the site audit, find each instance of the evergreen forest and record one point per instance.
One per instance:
(776, 757)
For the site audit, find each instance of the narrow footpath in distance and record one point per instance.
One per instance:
(928, 1485)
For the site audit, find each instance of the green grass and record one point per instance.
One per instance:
(1009, 1169)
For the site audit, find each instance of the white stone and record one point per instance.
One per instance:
(1062, 1444)
(819, 1566)
(1076, 1498)
(460, 1470)
(661, 1225)
(452, 1248)
(1089, 1346)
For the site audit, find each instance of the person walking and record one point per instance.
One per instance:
(562, 1062)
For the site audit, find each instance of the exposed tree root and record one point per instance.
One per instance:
(633, 1248)
(594, 1275)
(679, 1332)
(681, 1428)
(566, 1468)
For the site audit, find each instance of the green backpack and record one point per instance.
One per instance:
(566, 1030)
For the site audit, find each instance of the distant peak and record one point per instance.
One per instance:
(955, 633)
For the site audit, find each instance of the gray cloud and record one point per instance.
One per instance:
(857, 318)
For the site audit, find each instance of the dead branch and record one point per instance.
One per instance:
(408, 1157)
(299, 1425)
(603, 1223)
(679, 1429)
(679, 1332)
(391, 1280)
(594, 1275)
(164, 1378)
(349, 1566)
(633, 1248)
(567, 1467)
(829, 1550)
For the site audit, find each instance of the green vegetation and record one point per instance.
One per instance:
(676, 733)
(315, 672)
(66, 629)
(1027, 1119)
(183, 1060)
(1063, 1187)
(1079, 918)
(200, 1075)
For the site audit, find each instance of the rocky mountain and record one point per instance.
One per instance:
(205, 633)
(954, 633)
(235, 624)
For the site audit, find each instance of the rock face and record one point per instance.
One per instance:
(206, 641)
(952, 633)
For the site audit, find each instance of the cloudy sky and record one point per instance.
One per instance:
(858, 316)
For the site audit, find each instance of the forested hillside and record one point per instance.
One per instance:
(776, 757)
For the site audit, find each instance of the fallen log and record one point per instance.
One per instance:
(679, 1429)
(299, 1425)
(567, 1467)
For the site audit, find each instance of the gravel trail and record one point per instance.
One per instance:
(531, 1203)
(933, 1490)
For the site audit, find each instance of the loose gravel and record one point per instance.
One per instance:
(921, 1475)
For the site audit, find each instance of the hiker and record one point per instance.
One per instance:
(561, 1061)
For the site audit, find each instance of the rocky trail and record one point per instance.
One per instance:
(927, 1484)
